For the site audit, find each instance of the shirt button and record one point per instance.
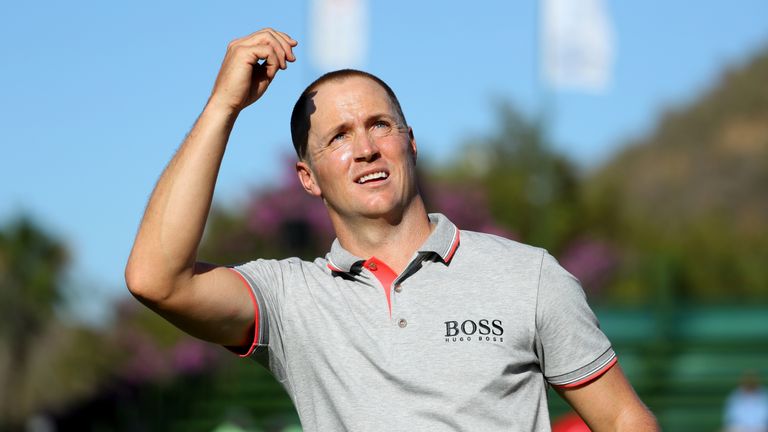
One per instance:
(372, 266)
(402, 323)
(398, 288)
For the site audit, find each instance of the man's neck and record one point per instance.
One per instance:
(393, 240)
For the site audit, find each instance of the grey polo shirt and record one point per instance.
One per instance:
(465, 339)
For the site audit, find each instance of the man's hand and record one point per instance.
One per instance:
(249, 66)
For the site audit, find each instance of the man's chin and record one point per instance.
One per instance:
(390, 210)
(392, 214)
(376, 213)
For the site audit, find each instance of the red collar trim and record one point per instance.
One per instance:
(454, 246)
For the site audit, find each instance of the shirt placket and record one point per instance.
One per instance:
(392, 284)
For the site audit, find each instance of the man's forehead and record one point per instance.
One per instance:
(359, 91)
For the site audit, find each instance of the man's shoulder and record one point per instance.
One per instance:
(491, 244)
(290, 264)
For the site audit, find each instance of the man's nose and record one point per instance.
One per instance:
(365, 147)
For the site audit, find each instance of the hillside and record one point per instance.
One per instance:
(709, 158)
(694, 190)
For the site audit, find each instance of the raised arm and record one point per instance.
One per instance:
(206, 301)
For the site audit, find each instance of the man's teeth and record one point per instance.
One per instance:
(372, 176)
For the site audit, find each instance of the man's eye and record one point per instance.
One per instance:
(381, 128)
(338, 137)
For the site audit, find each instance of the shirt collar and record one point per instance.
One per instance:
(443, 242)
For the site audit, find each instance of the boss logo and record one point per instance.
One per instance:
(468, 330)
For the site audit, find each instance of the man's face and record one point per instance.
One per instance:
(361, 156)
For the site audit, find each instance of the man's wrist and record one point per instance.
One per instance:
(217, 112)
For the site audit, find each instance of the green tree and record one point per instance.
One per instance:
(531, 189)
(31, 265)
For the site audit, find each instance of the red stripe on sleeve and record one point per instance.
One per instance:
(595, 375)
(246, 350)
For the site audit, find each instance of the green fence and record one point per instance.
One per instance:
(685, 361)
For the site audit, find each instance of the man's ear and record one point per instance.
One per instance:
(307, 178)
(412, 142)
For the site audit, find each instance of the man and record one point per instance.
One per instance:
(408, 323)
(746, 409)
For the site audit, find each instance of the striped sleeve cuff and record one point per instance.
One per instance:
(587, 373)
(259, 328)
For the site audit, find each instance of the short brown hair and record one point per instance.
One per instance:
(300, 117)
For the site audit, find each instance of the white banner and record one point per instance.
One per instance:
(338, 33)
(577, 44)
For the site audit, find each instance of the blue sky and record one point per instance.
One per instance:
(96, 96)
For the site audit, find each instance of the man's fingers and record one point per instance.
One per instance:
(279, 47)
(291, 42)
(285, 44)
(284, 40)
(274, 40)
(271, 63)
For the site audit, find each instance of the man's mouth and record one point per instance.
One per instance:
(374, 176)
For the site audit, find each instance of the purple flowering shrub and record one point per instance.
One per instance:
(153, 350)
(288, 217)
(591, 261)
(466, 206)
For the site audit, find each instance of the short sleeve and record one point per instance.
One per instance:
(570, 345)
(264, 278)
